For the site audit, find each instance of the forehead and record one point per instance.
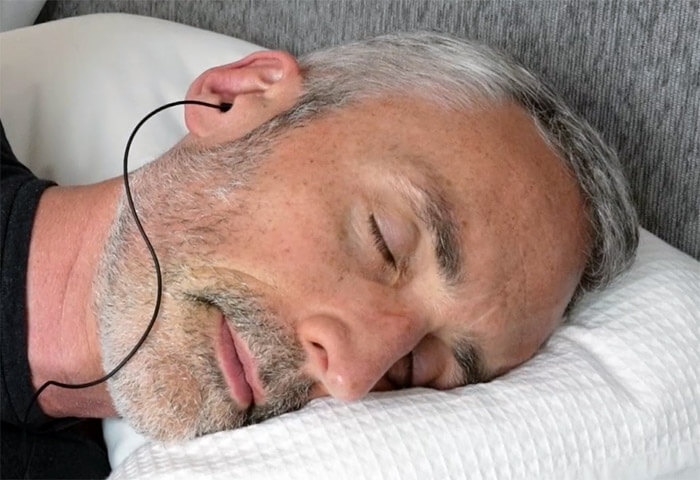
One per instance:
(419, 136)
(479, 160)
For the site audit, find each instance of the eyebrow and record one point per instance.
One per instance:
(469, 360)
(434, 210)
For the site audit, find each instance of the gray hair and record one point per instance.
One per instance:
(459, 74)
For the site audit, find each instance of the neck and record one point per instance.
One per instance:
(70, 227)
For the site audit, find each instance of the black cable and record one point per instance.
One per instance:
(224, 107)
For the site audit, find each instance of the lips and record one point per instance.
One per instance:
(238, 367)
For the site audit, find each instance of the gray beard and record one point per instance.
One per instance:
(173, 387)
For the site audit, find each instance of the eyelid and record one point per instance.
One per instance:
(400, 375)
(380, 241)
(434, 365)
(400, 234)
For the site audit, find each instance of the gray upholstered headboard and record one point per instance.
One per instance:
(632, 68)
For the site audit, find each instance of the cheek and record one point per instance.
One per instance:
(291, 233)
(521, 340)
(294, 253)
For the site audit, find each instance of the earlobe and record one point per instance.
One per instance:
(259, 86)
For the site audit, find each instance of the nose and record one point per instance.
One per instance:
(349, 356)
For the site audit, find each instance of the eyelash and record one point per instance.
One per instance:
(380, 243)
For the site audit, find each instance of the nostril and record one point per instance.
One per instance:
(318, 356)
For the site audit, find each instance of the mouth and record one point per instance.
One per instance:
(238, 367)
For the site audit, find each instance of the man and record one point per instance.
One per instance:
(411, 210)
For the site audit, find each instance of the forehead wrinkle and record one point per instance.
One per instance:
(432, 208)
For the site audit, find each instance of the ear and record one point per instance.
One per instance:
(259, 86)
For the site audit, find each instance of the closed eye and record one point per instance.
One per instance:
(380, 243)
(400, 375)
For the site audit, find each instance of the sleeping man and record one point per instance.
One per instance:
(408, 211)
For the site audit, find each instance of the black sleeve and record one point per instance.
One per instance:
(20, 191)
(76, 452)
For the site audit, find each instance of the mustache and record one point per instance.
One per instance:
(278, 354)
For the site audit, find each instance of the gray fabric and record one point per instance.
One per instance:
(632, 68)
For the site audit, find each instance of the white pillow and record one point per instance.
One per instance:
(614, 393)
(73, 90)
(19, 13)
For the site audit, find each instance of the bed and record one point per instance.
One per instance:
(615, 392)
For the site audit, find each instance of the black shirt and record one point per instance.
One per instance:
(44, 450)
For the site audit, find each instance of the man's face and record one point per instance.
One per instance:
(387, 244)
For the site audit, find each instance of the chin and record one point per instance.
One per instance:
(170, 403)
(172, 388)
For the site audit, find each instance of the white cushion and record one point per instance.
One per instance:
(19, 13)
(614, 394)
(73, 90)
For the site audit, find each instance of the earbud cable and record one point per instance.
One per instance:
(224, 107)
